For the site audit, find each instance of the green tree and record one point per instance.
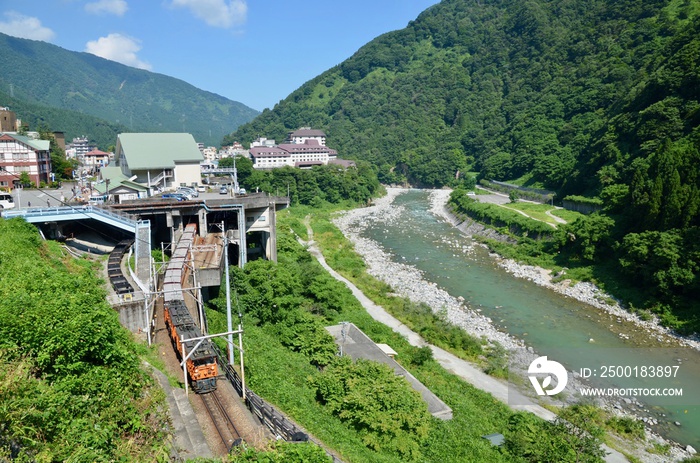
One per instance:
(572, 438)
(382, 407)
(588, 236)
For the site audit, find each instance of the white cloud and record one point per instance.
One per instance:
(119, 48)
(217, 13)
(115, 7)
(25, 27)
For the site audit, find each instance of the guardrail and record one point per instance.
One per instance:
(266, 413)
(276, 422)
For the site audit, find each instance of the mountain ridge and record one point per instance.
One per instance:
(593, 98)
(40, 73)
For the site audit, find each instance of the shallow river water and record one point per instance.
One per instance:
(574, 333)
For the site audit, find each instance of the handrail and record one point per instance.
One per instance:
(66, 210)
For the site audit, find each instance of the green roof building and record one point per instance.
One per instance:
(159, 160)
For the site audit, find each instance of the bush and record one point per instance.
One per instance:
(384, 409)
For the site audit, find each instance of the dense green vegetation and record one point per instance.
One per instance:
(314, 187)
(502, 218)
(116, 96)
(71, 385)
(653, 271)
(73, 123)
(555, 90)
(281, 452)
(587, 98)
(361, 410)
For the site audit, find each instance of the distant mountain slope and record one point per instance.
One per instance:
(73, 123)
(43, 74)
(512, 88)
(594, 98)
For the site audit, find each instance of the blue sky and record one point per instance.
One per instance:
(253, 51)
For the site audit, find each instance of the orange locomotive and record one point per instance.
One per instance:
(202, 367)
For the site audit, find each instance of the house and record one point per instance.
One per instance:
(158, 160)
(95, 159)
(19, 154)
(119, 187)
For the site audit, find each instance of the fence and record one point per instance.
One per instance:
(265, 412)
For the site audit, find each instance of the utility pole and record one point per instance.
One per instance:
(229, 322)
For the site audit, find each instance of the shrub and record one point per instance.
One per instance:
(384, 409)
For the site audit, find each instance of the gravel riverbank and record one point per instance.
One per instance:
(585, 292)
(407, 281)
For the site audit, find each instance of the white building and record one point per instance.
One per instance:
(306, 133)
(79, 147)
(262, 142)
(303, 155)
(210, 153)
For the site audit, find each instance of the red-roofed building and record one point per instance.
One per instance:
(307, 154)
(94, 159)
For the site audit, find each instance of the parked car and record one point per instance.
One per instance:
(187, 191)
(223, 190)
(201, 189)
(175, 196)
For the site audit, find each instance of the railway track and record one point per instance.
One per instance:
(223, 423)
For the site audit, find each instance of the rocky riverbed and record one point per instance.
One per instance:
(585, 292)
(407, 281)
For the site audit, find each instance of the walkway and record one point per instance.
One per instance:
(450, 362)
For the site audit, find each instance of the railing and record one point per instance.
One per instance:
(38, 212)
(266, 413)
(218, 170)
(156, 180)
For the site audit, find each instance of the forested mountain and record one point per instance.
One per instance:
(38, 76)
(74, 123)
(599, 98)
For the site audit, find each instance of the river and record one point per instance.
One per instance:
(552, 324)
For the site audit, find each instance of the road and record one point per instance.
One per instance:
(38, 197)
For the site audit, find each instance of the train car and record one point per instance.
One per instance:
(202, 368)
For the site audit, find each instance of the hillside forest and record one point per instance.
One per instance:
(83, 94)
(593, 99)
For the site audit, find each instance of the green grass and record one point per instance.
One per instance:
(540, 212)
(569, 216)
(534, 211)
(282, 378)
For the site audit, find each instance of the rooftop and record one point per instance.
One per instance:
(158, 150)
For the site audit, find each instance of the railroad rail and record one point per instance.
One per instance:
(224, 424)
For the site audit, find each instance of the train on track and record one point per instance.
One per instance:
(202, 367)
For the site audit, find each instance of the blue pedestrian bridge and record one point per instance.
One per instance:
(117, 219)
